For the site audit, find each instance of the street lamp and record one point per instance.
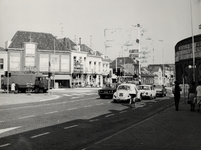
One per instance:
(162, 60)
(193, 48)
(138, 41)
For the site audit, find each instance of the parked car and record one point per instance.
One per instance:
(160, 90)
(147, 91)
(123, 92)
(107, 91)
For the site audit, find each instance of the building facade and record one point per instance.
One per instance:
(184, 60)
(34, 52)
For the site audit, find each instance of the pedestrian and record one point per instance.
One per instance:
(13, 87)
(198, 92)
(176, 91)
(192, 95)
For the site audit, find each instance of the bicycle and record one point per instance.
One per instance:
(132, 100)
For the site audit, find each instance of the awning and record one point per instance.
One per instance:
(62, 77)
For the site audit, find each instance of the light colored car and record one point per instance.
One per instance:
(160, 90)
(123, 92)
(147, 91)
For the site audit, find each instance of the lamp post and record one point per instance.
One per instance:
(138, 41)
(193, 48)
(162, 61)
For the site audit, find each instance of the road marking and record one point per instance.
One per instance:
(123, 112)
(49, 99)
(26, 117)
(35, 136)
(100, 104)
(66, 94)
(93, 120)
(2, 121)
(88, 106)
(74, 97)
(4, 145)
(51, 112)
(72, 108)
(70, 127)
(8, 129)
(109, 115)
(90, 93)
(32, 106)
(124, 130)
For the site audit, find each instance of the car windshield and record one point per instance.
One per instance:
(144, 88)
(124, 87)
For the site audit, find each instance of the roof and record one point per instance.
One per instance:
(121, 61)
(68, 43)
(45, 41)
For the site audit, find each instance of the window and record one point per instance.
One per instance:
(14, 62)
(1, 63)
(44, 62)
(54, 63)
(65, 63)
(90, 66)
(30, 54)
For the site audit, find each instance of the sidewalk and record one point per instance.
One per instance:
(167, 130)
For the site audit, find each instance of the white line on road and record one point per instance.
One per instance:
(100, 104)
(88, 106)
(51, 112)
(93, 120)
(26, 117)
(4, 145)
(35, 136)
(2, 121)
(123, 111)
(66, 95)
(74, 97)
(109, 115)
(8, 129)
(72, 108)
(49, 104)
(70, 127)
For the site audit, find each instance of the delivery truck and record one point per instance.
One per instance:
(36, 82)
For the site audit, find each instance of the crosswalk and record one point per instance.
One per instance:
(79, 94)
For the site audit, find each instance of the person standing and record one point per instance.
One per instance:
(192, 95)
(13, 87)
(176, 91)
(198, 91)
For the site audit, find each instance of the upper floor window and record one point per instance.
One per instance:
(44, 62)
(14, 62)
(54, 62)
(1, 63)
(65, 63)
(30, 49)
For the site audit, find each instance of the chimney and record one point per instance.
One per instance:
(79, 41)
(65, 42)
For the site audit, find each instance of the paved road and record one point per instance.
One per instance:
(154, 126)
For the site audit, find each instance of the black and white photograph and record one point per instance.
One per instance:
(100, 74)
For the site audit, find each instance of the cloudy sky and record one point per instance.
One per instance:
(167, 20)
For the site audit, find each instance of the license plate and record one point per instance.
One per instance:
(105, 91)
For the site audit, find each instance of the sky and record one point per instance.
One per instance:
(165, 22)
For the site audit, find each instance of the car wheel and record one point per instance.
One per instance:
(114, 101)
(102, 97)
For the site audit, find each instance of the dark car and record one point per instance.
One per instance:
(107, 91)
(160, 90)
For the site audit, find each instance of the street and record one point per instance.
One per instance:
(73, 121)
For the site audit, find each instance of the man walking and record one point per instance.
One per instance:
(176, 91)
